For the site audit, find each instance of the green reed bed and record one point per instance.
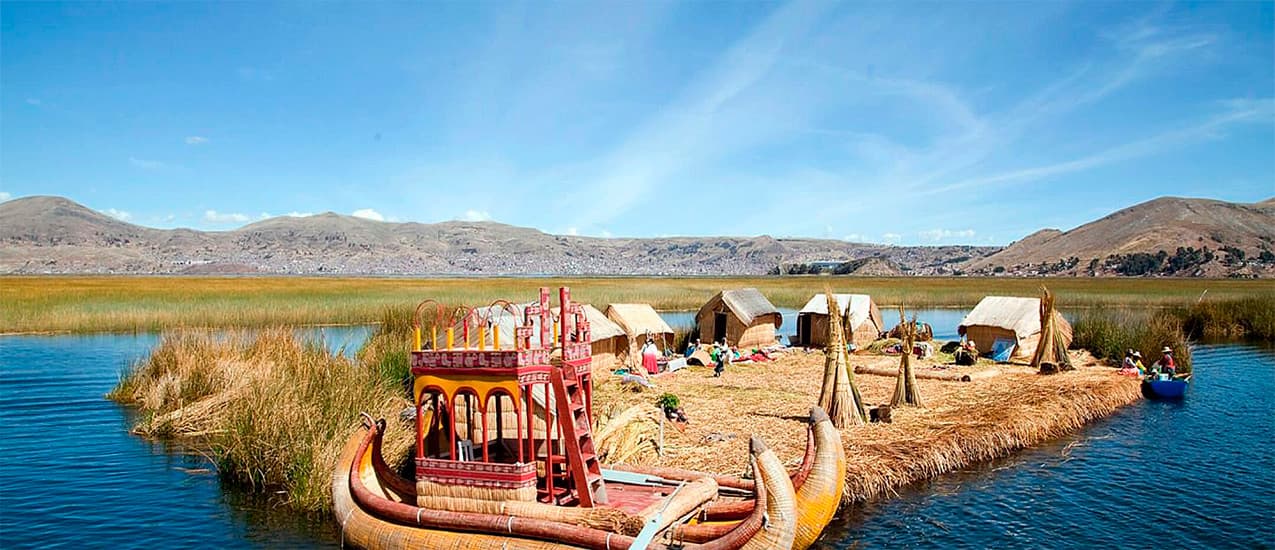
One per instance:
(272, 410)
(1243, 318)
(111, 304)
(1108, 333)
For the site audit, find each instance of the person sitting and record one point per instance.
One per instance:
(1132, 365)
(967, 354)
(1166, 365)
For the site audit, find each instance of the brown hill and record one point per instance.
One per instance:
(56, 235)
(1161, 224)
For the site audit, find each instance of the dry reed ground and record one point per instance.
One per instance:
(963, 423)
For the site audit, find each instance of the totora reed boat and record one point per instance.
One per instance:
(504, 458)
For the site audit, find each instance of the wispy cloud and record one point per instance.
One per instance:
(117, 214)
(224, 217)
(472, 215)
(196, 140)
(1240, 112)
(145, 164)
(891, 238)
(368, 214)
(939, 235)
(690, 128)
(295, 214)
(4, 196)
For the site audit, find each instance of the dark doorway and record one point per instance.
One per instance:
(803, 330)
(719, 326)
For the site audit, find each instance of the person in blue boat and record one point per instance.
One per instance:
(1166, 365)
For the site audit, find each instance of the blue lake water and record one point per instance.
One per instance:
(1194, 474)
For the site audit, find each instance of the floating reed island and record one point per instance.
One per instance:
(961, 423)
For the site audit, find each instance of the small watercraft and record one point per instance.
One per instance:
(1174, 388)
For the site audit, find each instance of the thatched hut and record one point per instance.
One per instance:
(1012, 320)
(863, 320)
(744, 317)
(608, 339)
(638, 321)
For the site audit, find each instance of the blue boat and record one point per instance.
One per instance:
(1165, 389)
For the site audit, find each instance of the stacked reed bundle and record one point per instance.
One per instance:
(630, 437)
(838, 395)
(905, 392)
(1051, 349)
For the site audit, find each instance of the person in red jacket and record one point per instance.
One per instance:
(1166, 364)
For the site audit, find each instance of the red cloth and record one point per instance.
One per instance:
(651, 363)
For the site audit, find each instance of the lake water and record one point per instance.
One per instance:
(1194, 474)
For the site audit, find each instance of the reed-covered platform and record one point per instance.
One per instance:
(962, 423)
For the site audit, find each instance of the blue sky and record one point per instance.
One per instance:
(910, 123)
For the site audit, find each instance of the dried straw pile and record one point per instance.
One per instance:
(962, 424)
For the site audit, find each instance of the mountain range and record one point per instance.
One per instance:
(44, 234)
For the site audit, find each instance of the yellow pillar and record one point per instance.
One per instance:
(416, 338)
(433, 337)
(495, 337)
(451, 337)
(482, 337)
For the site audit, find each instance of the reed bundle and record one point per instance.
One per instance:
(838, 395)
(630, 437)
(1051, 349)
(905, 392)
(781, 502)
(606, 519)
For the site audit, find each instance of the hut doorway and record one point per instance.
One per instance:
(803, 330)
(719, 326)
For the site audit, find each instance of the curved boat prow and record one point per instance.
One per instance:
(374, 512)
(819, 494)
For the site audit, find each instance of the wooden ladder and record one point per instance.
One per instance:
(577, 437)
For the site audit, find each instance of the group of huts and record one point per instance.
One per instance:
(1005, 328)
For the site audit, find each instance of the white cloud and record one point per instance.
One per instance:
(891, 238)
(4, 196)
(605, 234)
(196, 140)
(472, 215)
(572, 231)
(299, 214)
(224, 217)
(368, 214)
(146, 164)
(856, 238)
(936, 235)
(117, 214)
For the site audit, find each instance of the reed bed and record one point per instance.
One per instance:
(122, 304)
(1251, 317)
(962, 423)
(272, 410)
(1109, 333)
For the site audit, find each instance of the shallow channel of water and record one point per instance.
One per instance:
(1194, 474)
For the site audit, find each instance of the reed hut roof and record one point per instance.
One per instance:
(600, 326)
(1020, 315)
(747, 303)
(859, 307)
(638, 319)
